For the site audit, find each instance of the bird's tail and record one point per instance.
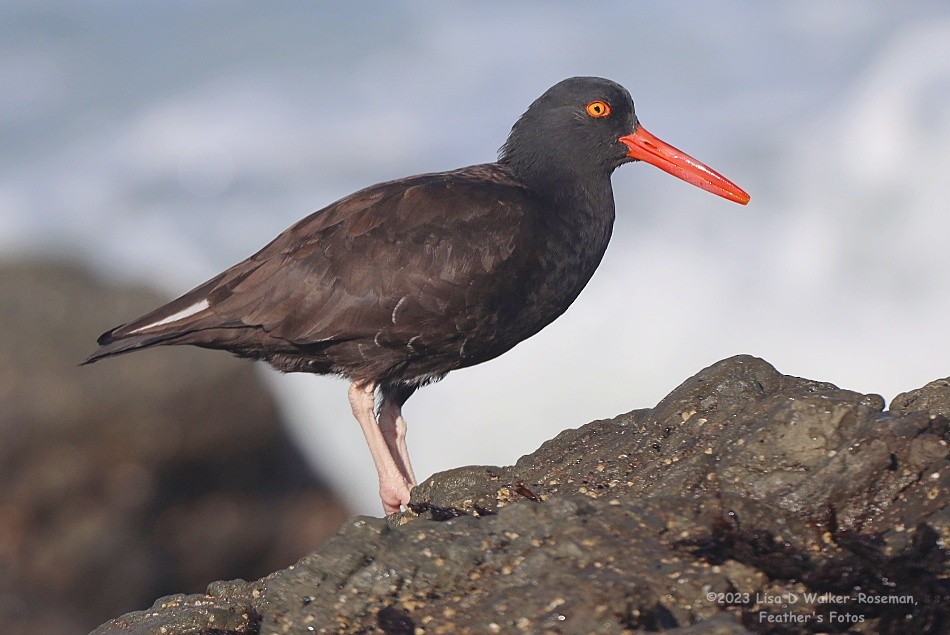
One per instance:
(168, 324)
(110, 345)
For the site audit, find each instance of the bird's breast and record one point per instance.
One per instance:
(554, 261)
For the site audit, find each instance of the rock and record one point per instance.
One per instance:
(134, 477)
(730, 507)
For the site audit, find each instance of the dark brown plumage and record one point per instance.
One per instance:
(398, 284)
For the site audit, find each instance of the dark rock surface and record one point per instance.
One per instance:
(718, 511)
(136, 477)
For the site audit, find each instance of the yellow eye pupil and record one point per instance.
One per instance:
(598, 109)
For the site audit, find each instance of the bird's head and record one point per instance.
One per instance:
(586, 126)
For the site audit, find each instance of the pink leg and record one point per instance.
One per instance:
(394, 428)
(393, 485)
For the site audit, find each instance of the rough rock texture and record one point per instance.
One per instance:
(721, 510)
(135, 477)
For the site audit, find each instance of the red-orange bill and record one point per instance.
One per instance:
(644, 146)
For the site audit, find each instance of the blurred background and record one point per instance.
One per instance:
(146, 146)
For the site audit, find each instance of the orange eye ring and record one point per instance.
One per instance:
(598, 109)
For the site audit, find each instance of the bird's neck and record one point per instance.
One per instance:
(578, 209)
(565, 188)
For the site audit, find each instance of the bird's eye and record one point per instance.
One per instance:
(598, 109)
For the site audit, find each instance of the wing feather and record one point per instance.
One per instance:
(424, 243)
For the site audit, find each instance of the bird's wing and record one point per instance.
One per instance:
(406, 252)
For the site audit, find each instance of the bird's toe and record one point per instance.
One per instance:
(394, 495)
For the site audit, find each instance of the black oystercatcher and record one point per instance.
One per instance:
(396, 285)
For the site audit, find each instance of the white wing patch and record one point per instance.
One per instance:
(174, 317)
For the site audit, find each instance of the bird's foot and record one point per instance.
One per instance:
(394, 494)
